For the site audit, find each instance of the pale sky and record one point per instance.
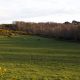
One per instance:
(39, 10)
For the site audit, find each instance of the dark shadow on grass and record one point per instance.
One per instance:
(38, 59)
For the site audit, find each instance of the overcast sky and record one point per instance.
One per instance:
(39, 10)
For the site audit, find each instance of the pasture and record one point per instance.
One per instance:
(36, 58)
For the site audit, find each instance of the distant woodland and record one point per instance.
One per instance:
(66, 30)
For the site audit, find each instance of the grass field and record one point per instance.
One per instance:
(37, 58)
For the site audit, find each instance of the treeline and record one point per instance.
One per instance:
(67, 30)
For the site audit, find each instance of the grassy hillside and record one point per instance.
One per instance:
(37, 58)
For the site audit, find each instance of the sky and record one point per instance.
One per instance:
(39, 10)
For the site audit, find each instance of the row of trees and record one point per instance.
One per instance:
(65, 30)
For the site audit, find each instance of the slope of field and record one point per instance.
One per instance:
(37, 58)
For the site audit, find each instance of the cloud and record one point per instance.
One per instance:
(39, 10)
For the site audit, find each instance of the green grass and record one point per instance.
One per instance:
(37, 58)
